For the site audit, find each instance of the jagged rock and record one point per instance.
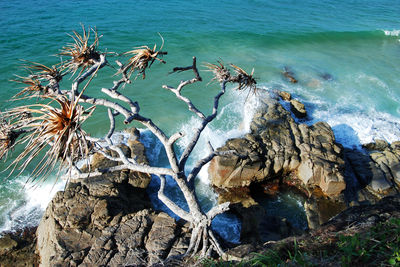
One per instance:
(286, 96)
(298, 108)
(321, 161)
(7, 244)
(74, 219)
(105, 220)
(320, 210)
(280, 150)
(17, 249)
(277, 146)
(379, 145)
(181, 243)
(377, 169)
(122, 244)
(160, 238)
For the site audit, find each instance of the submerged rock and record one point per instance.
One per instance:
(289, 75)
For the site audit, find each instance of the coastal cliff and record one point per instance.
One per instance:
(108, 220)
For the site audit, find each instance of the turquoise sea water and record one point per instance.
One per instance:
(345, 55)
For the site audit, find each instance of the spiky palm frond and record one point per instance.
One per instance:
(41, 81)
(221, 73)
(82, 54)
(142, 58)
(244, 80)
(33, 86)
(44, 72)
(57, 129)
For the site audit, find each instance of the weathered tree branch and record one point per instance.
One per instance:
(169, 203)
(112, 126)
(217, 210)
(197, 132)
(117, 103)
(91, 71)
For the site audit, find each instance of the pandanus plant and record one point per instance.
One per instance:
(57, 129)
(142, 58)
(52, 132)
(81, 54)
(41, 80)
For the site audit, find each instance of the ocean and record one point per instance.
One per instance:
(344, 55)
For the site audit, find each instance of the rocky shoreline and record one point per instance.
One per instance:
(282, 152)
(109, 221)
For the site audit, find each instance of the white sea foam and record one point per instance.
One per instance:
(28, 204)
(356, 129)
(392, 32)
(232, 121)
(352, 114)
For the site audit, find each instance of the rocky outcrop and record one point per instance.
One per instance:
(376, 169)
(281, 151)
(18, 248)
(107, 221)
(298, 108)
(354, 221)
(277, 146)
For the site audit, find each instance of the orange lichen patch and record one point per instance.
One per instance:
(271, 189)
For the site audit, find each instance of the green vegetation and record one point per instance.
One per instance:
(375, 246)
(380, 245)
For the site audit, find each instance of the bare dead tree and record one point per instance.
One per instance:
(58, 129)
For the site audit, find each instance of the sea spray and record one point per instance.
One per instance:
(232, 121)
(392, 32)
(22, 205)
(355, 105)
